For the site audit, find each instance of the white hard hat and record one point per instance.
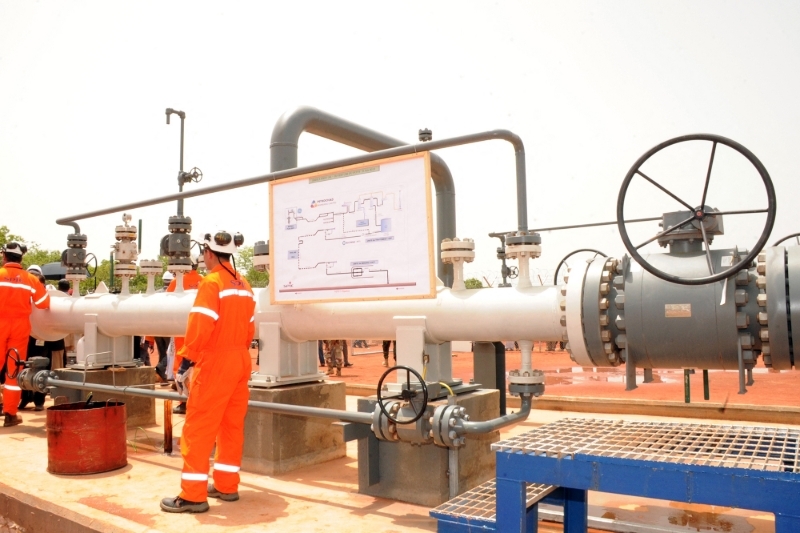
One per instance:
(16, 248)
(35, 268)
(167, 276)
(223, 242)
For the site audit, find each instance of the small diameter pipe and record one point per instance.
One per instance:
(331, 165)
(499, 423)
(284, 409)
(526, 347)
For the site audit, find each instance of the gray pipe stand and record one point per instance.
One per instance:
(419, 474)
(277, 443)
(141, 411)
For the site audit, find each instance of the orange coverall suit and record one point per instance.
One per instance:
(218, 335)
(191, 280)
(18, 289)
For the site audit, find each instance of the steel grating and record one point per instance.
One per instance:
(754, 448)
(480, 502)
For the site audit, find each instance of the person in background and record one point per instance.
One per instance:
(39, 348)
(334, 356)
(19, 292)
(162, 343)
(59, 360)
(218, 334)
(191, 280)
(346, 357)
(386, 352)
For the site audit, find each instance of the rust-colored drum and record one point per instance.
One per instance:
(85, 439)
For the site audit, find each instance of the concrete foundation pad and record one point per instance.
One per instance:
(419, 474)
(274, 444)
(140, 411)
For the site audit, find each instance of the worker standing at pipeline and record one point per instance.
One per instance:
(191, 281)
(18, 289)
(218, 335)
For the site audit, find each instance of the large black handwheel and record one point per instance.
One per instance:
(564, 260)
(700, 215)
(407, 394)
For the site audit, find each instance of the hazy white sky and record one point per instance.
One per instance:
(589, 86)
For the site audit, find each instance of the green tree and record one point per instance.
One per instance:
(473, 283)
(244, 263)
(34, 255)
(6, 236)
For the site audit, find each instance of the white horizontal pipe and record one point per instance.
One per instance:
(470, 315)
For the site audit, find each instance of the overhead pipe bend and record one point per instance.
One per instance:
(283, 155)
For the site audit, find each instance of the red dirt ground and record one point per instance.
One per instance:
(565, 378)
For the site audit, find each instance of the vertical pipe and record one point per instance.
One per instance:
(500, 374)
(283, 155)
(706, 392)
(111, 277)
(452, 468)
(526, 347)
(139, 247)
(168, 426)
(648, 375)
(630, 369)
(687, 392)
(742, 388)
(180, 171)
(522, 194)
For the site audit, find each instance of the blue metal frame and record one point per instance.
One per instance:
(775, 492)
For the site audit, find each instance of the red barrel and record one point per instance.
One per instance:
(85, 439)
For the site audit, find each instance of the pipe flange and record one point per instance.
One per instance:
(125, 233)
(536, 389)
(523, 244)
(763, 315)
(150, 267)
(613, 342)
(526, 376)
(179, 224)
(458, 250)
(382, 427)
(447, 426)
(124, 270)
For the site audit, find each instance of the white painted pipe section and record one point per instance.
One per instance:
(525, 348)
(469, 315)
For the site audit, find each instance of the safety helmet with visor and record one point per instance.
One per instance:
(15, 248)
(223, 242)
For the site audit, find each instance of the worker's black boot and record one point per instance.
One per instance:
(224, 496)
(11, 420)
(179, 505)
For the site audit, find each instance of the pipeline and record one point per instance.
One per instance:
(283, 409)
(504, 421)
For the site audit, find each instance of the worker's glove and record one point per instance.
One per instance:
(184, 377)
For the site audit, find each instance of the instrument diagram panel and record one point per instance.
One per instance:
(361, 232)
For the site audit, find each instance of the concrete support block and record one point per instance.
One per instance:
(140, 411)
(274, 444)
(419, 474)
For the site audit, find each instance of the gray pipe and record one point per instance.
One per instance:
(407, 149)
(498, 423)
(284, 409)
(283, 154)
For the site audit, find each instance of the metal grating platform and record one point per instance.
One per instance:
(480, 502)
(753, 448)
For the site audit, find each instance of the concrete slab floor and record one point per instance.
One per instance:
(317, 498)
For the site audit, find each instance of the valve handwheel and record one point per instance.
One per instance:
(408, 394)
(700, 213)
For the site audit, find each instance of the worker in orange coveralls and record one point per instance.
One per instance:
(191, 281)
(218, 335)
(18, 288)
